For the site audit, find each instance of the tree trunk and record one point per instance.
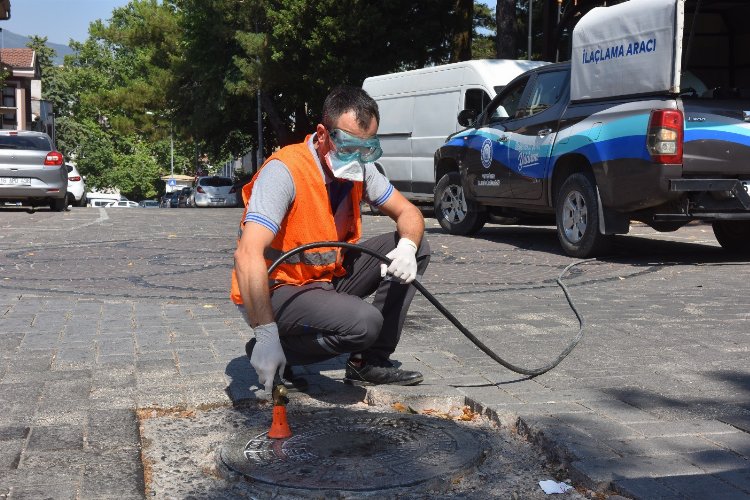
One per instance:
(505, 16)
(279, 126)
(464, 28)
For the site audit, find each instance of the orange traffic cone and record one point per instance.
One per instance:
(279, 426)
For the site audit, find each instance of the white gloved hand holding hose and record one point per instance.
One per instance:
(268, 356)
(403, 261)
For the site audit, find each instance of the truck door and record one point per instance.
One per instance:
(486, 162)
(532, 132)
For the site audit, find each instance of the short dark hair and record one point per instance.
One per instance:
(345, 98)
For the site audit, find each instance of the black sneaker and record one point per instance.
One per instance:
(290, 381)
(379, 372)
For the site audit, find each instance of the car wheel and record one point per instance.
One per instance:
(733, 235)
(58, 204)
(454, 212)
(577, 215)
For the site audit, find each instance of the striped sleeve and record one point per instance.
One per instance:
(272, 195)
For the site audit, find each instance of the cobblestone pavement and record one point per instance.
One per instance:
(103, 312)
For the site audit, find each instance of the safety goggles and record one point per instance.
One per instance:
(349, 147)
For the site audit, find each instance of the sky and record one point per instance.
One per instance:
(58, 20)
(62, 20)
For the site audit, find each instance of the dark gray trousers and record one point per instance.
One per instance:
(319, 321)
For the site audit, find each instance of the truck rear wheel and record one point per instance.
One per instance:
(733, 235)
(454, 212)
(577, 214)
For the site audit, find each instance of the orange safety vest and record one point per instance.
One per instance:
(309, 220)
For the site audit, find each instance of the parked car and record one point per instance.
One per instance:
(148, 204)
(76, 187)
(174, 198)
(124, 204)
(184, 196)
(215, 191)
(31, 171)
(100, 202)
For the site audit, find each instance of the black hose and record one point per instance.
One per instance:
(518, 369)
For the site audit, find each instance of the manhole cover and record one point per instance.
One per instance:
(357, 452)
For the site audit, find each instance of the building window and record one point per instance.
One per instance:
(8, 109)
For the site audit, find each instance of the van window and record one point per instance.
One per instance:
(545, 92)
(477, 100)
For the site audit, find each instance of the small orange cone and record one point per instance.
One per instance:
(279, 426)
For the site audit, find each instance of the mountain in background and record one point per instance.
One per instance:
(10, 40)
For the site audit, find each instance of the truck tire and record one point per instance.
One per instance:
(58, 204)
(454, 212)
(577, 215)
(733, 235)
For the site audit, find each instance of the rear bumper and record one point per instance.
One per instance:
(16, 193)
(208, 201)
(709, 200)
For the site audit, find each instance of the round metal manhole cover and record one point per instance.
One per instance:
(357, 452)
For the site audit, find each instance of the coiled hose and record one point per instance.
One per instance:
(532, 372)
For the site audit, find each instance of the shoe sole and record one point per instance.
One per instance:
(364, 383)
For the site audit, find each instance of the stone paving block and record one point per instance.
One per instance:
(598, 474)
(194, 356)
(717, 460)
(645, 487)
(10, 453)
(164, 366)
(112, 429)
(488, 396)
(620, 411)
(116, 362)
(12, 393)
(739, 478)
(60, 491)
(738, 442)
(682, 428)
(55, 437)
(703, 486)
(201, 368)
(655, 446)
(597, 427)
(13, 432)
(115, 347)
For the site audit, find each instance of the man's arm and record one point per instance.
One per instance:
(252, 273)
(409, 220)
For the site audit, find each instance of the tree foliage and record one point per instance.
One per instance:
(197, 69)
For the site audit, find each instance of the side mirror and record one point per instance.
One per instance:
(467, 117)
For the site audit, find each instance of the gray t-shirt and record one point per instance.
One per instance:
(273, 193)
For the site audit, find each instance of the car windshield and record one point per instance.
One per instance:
(33, 142)
(215, 181)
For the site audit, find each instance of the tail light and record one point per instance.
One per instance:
(200, 190)
(233, 190)
(54, 159)
(75, 178)
(664, 136)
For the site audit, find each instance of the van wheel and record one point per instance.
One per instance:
(733, 235)
(577, 215)
(454, 212)
(58, 204)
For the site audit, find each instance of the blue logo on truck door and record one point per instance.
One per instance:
(487, 153)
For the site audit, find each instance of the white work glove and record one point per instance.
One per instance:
(268, 356)
(403, 261)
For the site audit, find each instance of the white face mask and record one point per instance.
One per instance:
(351, 170)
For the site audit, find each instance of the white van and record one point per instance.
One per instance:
(418, 111)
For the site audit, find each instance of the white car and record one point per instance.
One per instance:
(214, 191)
(124, 204)
(76, 187)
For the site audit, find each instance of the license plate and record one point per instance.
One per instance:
(15, 181)
(217, 200)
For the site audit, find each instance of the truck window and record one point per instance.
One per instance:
(545, 92)
(477, 100)
(506, 104)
